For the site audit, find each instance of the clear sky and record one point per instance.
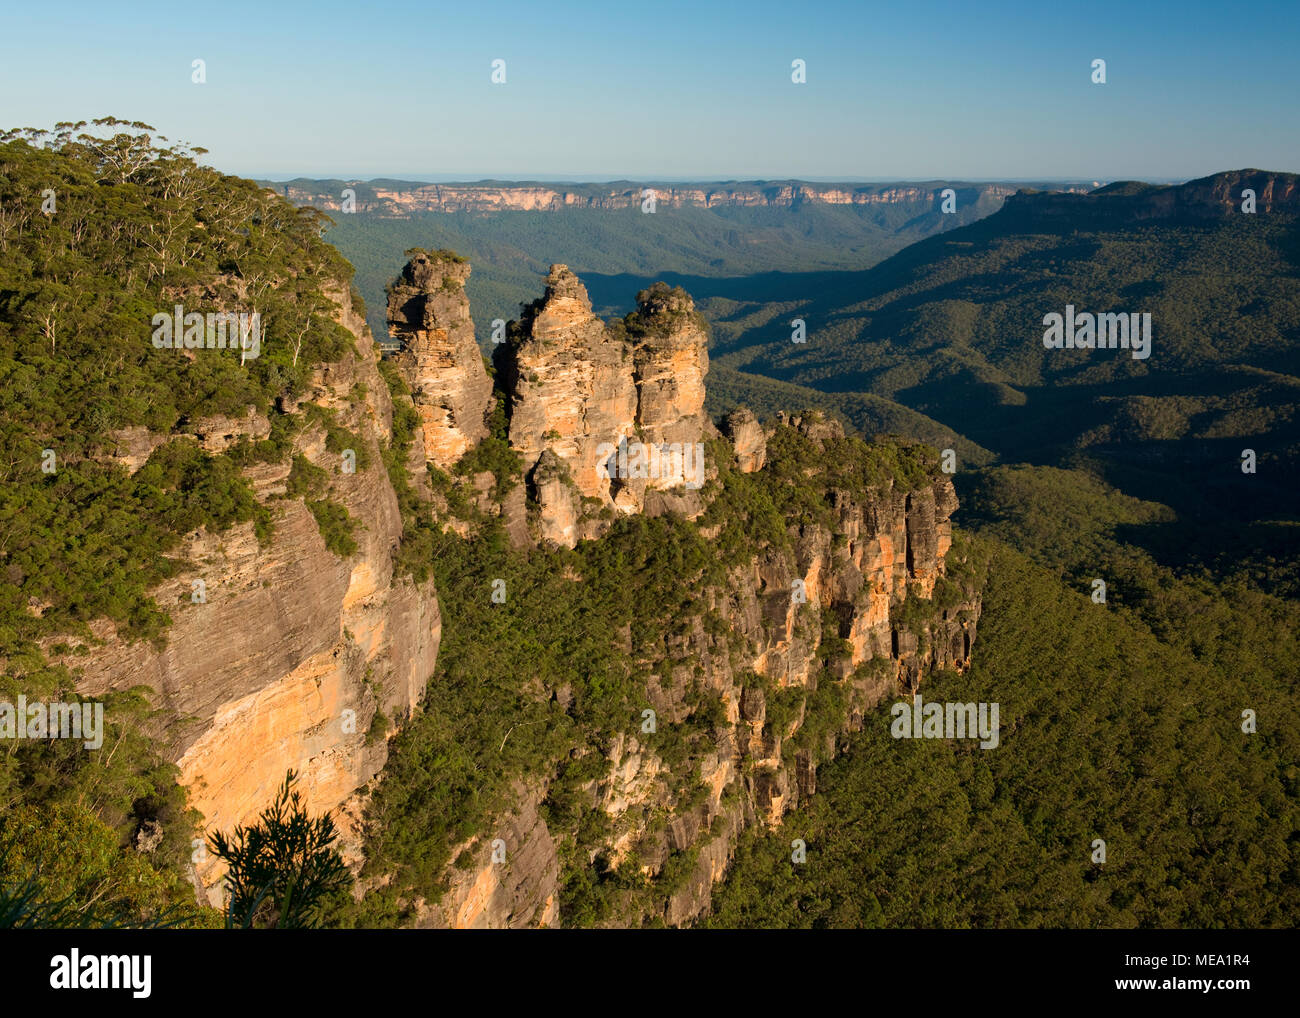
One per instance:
(702, 90)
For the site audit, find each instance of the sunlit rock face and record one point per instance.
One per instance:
(621, 405)
(746, 435)
(428, 313)
(292, 650)
(569, 385)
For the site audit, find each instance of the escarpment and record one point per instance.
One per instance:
(288, 654)
(1219, 196)
(790, 648)
(808, 576)
(831, 587)
(399, 202)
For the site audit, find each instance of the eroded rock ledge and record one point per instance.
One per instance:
(874, 577)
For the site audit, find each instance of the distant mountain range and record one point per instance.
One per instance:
(403, 198)
(706, 229)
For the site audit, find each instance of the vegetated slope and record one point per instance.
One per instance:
(862, 411)
(1121, 721)
(137, 230)
(534, 725)
(1106, 733)
(952, 327)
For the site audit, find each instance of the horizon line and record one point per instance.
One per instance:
(281, 178)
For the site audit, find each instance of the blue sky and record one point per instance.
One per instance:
(902, 90)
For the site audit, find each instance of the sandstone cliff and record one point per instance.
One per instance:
(301, 657)
(796, 645)
(294, 655)
(606, 418)
(796, 642)
(392, 199)
(867, 579)
(761, 652)
(570, 390)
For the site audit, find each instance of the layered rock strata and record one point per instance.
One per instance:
(288, 652)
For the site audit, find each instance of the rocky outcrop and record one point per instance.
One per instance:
(670, 360)
(132, 447)
(569, 386)
(428, 313)
(620, 406)
(606, 418)
(670, 363)
(508, 881)
(745, 434)
(558, 499)
(855, 576)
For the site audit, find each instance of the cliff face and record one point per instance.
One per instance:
(856, 601)
(570, 388)
(428, 314)
(670, 363)
(294, 649)
(856, 575)
(1213, 197)
(398, 200)
(869, 577)
(520, 891)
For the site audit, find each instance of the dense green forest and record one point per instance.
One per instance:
(952, 328)
(140, 227)
(1108, 733)
(861, 412)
